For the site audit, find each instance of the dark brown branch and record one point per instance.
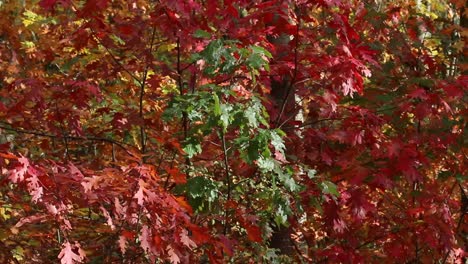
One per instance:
(68, 137)
(166, 183)
(185, 122)
(311, 123)
(115, 58)
(293, 80)
(142, 94)
(181, 88)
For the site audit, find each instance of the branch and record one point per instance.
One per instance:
(312, 123)
(114, 58)
(142, 94)
(293, 80)
(181, 92)
(228, 180)
(68, 137)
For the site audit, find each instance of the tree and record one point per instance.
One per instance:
(194, 131)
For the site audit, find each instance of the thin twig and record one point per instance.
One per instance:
(228, 181)
(142, 94)
(115, 58)
(68, 137)
(312, 123)
(293, 80)
(166, 183)
(185, 124)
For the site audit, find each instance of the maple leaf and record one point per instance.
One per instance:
(48, 4)
(145, 238)
(186, 240)
(18, 174)
(227, 245)
(122, 242)
(93, 6)
(75, 172)
(108, 216)
(339, 225)
(178, 177)
(340, 109)
(173, 257)
(37, 192)
(68, 256)
(139, 195)
(254, 233)
(393, 148)
(30, 219)
(199, 234)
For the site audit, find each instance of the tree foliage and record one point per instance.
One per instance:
(144, 131)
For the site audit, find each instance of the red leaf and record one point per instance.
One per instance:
(339, 225)
(227, 245)
(173, 257)
(94, 6)
(145, 239)
(128, 234)
(185, 239)
(178, 177)
(139, 195)
(30, 219)
(122, 244)
(199, 234)
(126, 29)
(254, 233)
(8, 156)
(415, 211)
(453, 90)
(68, 256)
(181, 201)
(47, 4)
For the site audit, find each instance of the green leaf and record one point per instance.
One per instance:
(201, 34)
(258, 59)
(192, 148)
(277, 141)
(285, 175)
(266, 164)
(311, 173)
(201, 192)
(217, 108)
(225, 117)
(329, 188)
(261, 50)
(251, 114)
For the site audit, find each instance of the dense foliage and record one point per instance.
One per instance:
(322, 131)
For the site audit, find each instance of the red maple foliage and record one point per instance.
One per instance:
(321, 131)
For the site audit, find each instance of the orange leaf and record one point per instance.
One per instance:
(8, 156)
(184, 204)
(177, 176)
(254, 233)
(199, 234)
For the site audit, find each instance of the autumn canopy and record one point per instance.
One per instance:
(196, 131)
